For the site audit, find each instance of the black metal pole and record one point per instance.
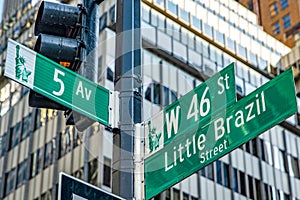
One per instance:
(90, 64)
(90, 69)
(128, 82)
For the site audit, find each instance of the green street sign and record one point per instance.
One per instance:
(194, 108)
(57, 82)
(228, 129)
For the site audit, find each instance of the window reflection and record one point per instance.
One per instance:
(159, 94)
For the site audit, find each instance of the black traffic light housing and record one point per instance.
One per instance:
(98, 1)
(59, 28)
(58, 19)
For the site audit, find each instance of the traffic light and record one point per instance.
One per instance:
(59, 28)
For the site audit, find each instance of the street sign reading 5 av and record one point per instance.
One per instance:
(58, 83)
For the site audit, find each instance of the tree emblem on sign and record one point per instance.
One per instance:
(153, 138)
(21, 72)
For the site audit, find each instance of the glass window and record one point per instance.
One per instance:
(226, 175)
(145, 13)
(210, 171)
(107, 172)
(65, 144)
(220, 37)
(203, 172)
(254, 147)
(173, 8)
(165, 96)
(185, 196)
(267, 191)
(205, 49)
(169, 26)
(273, 9)
(284, 3)
(4, 145)
(258, 189)
(161, 22)
(38, 119)
(184, 15)
(148, 92)
(286, 21)
(168, 194)
(253, 58)
(160, 2)
(262, 63)
(251, 187)
(15, 135)
(184, 35)
(196, 23)
(231, 44)
(156, 93)
(26, 126)
(280, 161)
(76, 138)
(250, 5)
(22, 167)
(39, 161)
(242, 183)
(276, 28)
(48, 154)
(33, 164)
(219, 172)
(220, 58)
(93, 172)
(173, 96)
(103, 22)
(242, 51)
(176, 194)
(212, 54)
(263, 151)
(294, 166)
(176, 31)
(194, 58)
(208, 30)
(234, 180)
(191, 41)
(10, 179)
(112, 15)
(109, 74)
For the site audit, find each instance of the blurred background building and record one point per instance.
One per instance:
(184, 42)
(279, 18)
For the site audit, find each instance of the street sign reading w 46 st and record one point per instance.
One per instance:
(58, 83)
(192, 109)
(227, 129)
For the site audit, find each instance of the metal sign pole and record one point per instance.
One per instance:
(128, 82)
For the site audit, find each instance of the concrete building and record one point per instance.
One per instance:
(183, 43)
(279, 18)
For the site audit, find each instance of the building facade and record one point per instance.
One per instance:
(183, 43)
(279, 18)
